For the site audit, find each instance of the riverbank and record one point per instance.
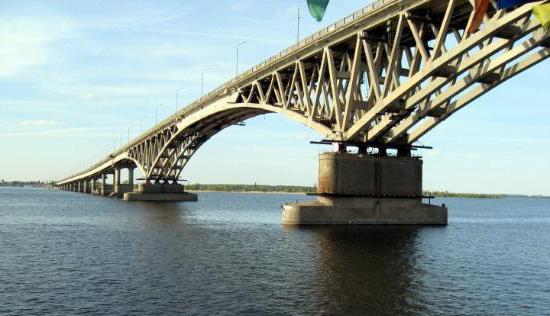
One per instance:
(286, 189)
(250, 188)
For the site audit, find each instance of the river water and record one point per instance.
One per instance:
(70, 253)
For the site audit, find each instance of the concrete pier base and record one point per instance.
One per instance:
(357, 210)
(106, 190)
(366, 189)
(121, 189)
(160, 193)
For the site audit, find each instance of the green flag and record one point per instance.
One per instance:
(317, 8)
(542, 13)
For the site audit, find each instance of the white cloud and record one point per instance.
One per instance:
(78, 131)
(39, 123)
(28, 41)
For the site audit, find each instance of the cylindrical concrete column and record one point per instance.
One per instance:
(92, 186)
(103, 182)
(85, 186)
(116, 180)
(131, 176)
(78, 187)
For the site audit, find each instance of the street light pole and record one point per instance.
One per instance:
(298, 26)
(202, 80)
(237, 68)
(157, 112)
(298, 22)
(177, 98)
(141, 124)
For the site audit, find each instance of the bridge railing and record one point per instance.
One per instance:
(244, 77)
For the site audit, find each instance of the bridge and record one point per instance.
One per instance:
(377, 80)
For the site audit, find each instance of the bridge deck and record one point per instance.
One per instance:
(386, 74)
(273, 62)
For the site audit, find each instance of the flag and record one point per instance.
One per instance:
(317, 8)
(505, 4)
(542, 13)
(481, 7)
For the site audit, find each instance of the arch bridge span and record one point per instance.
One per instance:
(384, 76)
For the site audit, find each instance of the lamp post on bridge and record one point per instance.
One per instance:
(159, 106)
(177, 97)
(202, 80)
(141, 124)
(298, 21)
(237, 47)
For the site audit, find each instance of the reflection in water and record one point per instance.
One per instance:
(164, 214)
(368, 269)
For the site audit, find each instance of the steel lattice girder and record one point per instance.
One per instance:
(388, 74)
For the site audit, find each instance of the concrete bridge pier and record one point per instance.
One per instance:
(116, 181)
(92, 186)
(367, 189)
(160, 192)
(104, 189)
(118, 187)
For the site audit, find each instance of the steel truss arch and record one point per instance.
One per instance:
(387, 75)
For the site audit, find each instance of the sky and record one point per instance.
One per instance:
(77, 78)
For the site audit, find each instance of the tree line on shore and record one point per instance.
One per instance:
(312, 189)
(284, 189)
(249, 188)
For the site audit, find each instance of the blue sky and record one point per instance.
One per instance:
(76, 76)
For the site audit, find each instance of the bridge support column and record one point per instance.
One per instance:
(85, 190)
(92, 186)
(366, 189)
(116, 180)
(79, 186)
(160, 192)
(118, 188)
(131, 177)
(105, 189)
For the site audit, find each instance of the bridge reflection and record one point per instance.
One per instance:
(369, 270)
(162, 215)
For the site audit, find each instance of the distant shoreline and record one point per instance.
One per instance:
(454, 195)
(284, 189)
(289, 189)
(250, 192)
